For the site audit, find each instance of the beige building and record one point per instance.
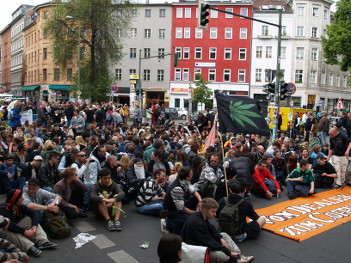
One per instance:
(42, 79)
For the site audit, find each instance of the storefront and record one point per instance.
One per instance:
(58, 93)
(32, 93)
(120, 95)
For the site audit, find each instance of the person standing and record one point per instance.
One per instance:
(296, 129)
(323, 127)
(309, 127)
(340, 146)
(77, 123)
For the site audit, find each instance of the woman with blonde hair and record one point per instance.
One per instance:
(49, 147)
(81, 144)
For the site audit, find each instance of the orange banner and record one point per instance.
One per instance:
(302, 218)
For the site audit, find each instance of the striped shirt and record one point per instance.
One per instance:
(147, 191)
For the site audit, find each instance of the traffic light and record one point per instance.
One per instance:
(176, 59)
(283, 90)
(269, 89)
(203, 15)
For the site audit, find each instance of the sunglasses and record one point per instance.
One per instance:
(82, 155)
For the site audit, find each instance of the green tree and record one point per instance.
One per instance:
(91, 24)
(337, 44)
(202, 93)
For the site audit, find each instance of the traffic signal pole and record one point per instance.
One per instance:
(279, 74)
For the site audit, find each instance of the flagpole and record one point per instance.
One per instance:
(225, 170)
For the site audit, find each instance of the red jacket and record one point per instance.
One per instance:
(259, 178)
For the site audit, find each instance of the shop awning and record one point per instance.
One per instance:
(29, 88)
(59, 87)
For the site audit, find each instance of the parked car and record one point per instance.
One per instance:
(182, 113)
(171, 113)
(333, 121)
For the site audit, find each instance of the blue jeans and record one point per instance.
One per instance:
(323, 136)
(151, 209)
(86, 195)
(40, 213)
(19, 183)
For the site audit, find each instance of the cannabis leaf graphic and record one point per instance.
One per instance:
(240, 113)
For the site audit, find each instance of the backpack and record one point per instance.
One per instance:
(10, 115)
(108, 117)
(229, 218)
(56, 224)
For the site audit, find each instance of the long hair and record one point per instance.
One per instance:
(168, 249)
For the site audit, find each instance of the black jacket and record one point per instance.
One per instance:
(48, 175)
(244, 170)
(27, 170)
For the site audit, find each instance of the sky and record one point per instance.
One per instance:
(11, 5)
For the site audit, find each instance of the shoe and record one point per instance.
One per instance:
(110, 225)
(336, 186)
(247, 196)
(246, 259)
(34, 251)
(118, 226)
(164, 213)
(164, 228)
(291, 196)
(47, 245)
(82, 214)
(240, 238)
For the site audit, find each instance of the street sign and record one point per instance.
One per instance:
(132, 88)
(291, 89)
(79, 93)
(205, 64)
(114, 88)
(292, 103)
(280, 74)
(340, 104)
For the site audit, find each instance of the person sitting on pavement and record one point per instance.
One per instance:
(324, 173)
(169, 249)
(9, 178)
(198, 231)
(301, 181)
(107, 199)
(39, 199)
(279, 165)
(245, 209)
(48, 173)
(149, 200)
(31, 169)
(23, 231)
(71, 203)
(99, 157)
(181, 201)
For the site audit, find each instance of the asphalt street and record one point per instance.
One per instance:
(123, 247)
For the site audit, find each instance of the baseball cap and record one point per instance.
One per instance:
(38, 158)
(34, 181)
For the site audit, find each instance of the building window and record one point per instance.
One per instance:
(147, 12)
(298, 76)
(161, 33)
(242, 53)
(133, 32)
(213, 32)
(259, 51)
(186, 52)
(178, 50)
(264, 31)
(211, 75)
(118, 74)
(45, 53)
(315, 11)
(300, 53)
(185, 74)
(314, 32)
(134, 13)
(186, 32)
(283, 52)
(229, 15)
(161, 53)
(331, 79)
(313, 77)
(162, 13)
(344, 81)
(258, 75)
(147, 52)
(226, 75)
(227, 53)
(45, 15)
(197, 74)
(268, 52)
(179, 13)
(160, 75)
(187, 13)
(198, 32)
(198, 53)
(337, 80)
(323, 78)
(45, 33)
(314, 54)
(241, 75)
(147, 33)
(325, 14)
(228, 33)
(119, 32)
(177, 74)
(177, 103)
(132, 53)
(146, 74)
(214, 14)
(45, 74)
(56, 74)
(179, 32)
(243, 33)
(300, 10)
(299, 31)
(244, 11)
(213, 53)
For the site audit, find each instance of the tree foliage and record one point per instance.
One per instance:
(337, 44)
(91, 27)
(202, 93)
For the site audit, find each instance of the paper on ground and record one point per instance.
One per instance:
(82, 239)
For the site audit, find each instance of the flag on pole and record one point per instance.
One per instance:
(211, 137)
(240, 114)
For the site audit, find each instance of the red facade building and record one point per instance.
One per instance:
(221, 53)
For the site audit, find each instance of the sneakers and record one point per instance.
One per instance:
(47, 245)
(246, 259)
(82, 213)
(164, 228)
(247, 196)
(34, 251)
(118, 226)
(110, 225)
(291, 196)
(240, 238)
